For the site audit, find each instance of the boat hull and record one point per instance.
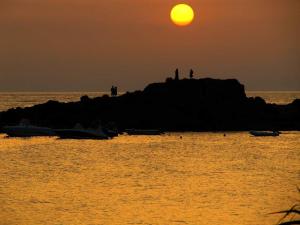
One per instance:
(265, 133)
(30, 131)
(143, 132)
(80, 134)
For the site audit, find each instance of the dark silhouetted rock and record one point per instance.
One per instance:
(176, 105)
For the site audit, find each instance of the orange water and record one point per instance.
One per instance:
(203, 178)
(25, 99)
(278, 97)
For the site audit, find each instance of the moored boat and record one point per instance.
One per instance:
(143, 132)
(27, 131)
(80, 133)
(264, 133)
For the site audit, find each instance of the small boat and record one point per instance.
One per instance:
(79, 132)
(24, 129)
(143, 132)
(264, 133)
(110, 129)
(111, 132)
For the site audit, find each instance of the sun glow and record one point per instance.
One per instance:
(182, 15)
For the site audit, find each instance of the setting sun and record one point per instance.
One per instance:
(182, 15)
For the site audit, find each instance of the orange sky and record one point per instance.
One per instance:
(92, 44)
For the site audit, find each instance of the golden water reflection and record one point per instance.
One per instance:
(202, 178)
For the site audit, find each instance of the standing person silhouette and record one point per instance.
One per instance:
(116, 91)
(177, 74)
(191, 74)
(112, 91)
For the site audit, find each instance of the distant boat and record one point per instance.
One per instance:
(25, 129)
(264, 133)
(143, 132)
(111, 132)
(79, 132)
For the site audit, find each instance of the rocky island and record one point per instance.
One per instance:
(175, 105)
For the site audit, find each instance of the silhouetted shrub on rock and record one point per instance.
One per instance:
(85, 98)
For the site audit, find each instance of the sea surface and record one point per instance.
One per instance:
(176, 178)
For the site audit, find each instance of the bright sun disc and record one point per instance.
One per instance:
(182, 15)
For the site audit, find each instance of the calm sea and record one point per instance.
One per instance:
(176, 178)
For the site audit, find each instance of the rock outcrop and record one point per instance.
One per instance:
(176, 105)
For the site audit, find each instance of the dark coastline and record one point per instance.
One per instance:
(176, 105)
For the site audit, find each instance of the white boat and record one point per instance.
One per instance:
(24, 129)
(264, 133)
(78, 132)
